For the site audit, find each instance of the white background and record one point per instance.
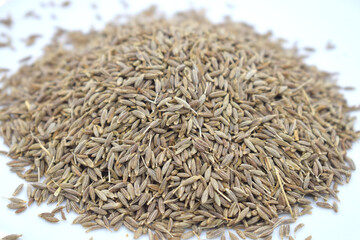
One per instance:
(305, 23)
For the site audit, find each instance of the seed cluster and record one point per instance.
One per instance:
(176, 126)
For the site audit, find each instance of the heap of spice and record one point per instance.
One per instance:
(173, 127)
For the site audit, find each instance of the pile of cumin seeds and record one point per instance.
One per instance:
(176, 126)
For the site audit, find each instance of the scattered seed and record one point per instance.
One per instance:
(335, 207)
(31, 39)
(8, 22)
(49, 217)
(298, 227)
(324, 205)
(18, 190)
(66, 4)
(11, 237)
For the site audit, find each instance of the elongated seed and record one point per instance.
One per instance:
(11, 237)
(18, 190)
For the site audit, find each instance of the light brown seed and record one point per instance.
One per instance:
(298, 227)
(251, 235)
(215, 233)
(324, 205)
(16, 205)
(282, 231)
(11, 237)
(17, 200)
(18, 190)
(335, 207)
(50, 219)
(240, 233)
(233, 236)
(46, 214)
(223, 237)
(286, 230)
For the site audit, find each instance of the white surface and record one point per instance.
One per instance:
(307, 23)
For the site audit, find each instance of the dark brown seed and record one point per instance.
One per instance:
(20, 210)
